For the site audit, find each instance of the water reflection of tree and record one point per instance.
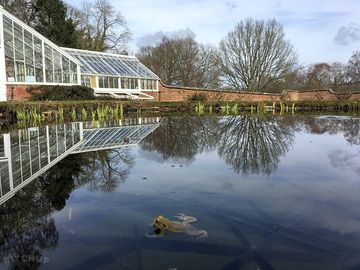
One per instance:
(104, 170)
(183, 137)
(349, 127)
(26, 223)
(253, 144)
(352, 131)
(22, 246)
(27, 227)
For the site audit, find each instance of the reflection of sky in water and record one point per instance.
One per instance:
(345, 160)
(312, 196)
(307, 184)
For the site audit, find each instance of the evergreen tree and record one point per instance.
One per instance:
(52, 22)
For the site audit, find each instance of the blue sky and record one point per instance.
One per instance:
(320, 30)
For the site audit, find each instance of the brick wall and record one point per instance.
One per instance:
(155, 95)
(170, 93)
(355, 96)
(292, 95)
(17, 92)
(167, 93)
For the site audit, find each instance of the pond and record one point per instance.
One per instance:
(265, 192)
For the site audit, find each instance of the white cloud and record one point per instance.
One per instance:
(152, 39)
(345, 160)
(231, 5)
(348, 34)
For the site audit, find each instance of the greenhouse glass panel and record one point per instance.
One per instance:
(106, 82)
(142, 84)
(4, 176)
(99, 66)
(38, 60)
(49, 69)
(101, 82)
(8, 38)
(139, 68)
(148, 84)
(66, 69)
(73, 73)
(9, 49)
(86, 81)
(19, 53)
(120, 67)
(84, 68)
(133, 83)
(29, 57)
(7, 25)
(19, 46)
(57, 67)
(124, 83)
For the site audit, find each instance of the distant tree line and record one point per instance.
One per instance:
(255, 56)
(336, 76)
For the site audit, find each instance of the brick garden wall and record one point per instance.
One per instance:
(355, 96)
(304, 95)
(155, 95)
(170, 93)
(173, 94)
(17, 92)
(167, 93)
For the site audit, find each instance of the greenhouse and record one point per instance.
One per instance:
(114, 74)
(28, 59)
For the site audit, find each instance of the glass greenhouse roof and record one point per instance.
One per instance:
(99, 63)
(107, 138)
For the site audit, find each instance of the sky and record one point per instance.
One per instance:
(319, 30)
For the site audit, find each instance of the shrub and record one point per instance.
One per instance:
(198, 97)
(76, 92)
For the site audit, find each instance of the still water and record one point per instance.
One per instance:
(270, 193)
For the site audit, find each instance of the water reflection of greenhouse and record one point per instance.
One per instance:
(26, 154)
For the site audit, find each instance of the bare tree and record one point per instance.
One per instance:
(208, 67)
(160, 59)
(293, 80)
(354, 70)
(339, 76)
(255, 54)
(319, 76)
(100, 27)
(182, 62)
(23, 9)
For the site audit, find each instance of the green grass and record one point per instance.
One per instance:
(105, 109)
